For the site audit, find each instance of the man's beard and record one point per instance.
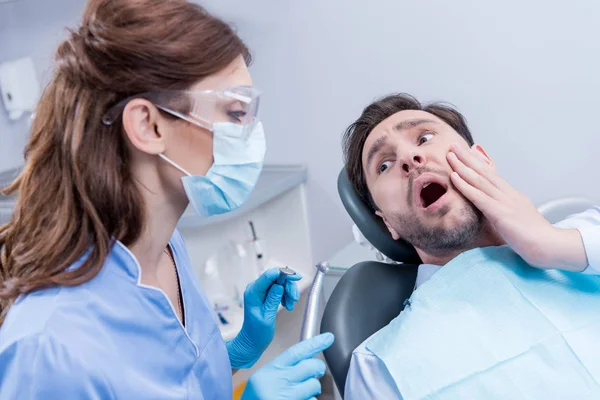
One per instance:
(437, 240)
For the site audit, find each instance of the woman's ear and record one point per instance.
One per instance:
(140, 118)
(480, 151)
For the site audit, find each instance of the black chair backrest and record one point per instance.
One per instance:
(370, 294)
(372, 226)
(367, 297)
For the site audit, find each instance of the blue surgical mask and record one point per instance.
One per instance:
(237, 166)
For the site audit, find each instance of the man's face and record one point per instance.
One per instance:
(408, 176)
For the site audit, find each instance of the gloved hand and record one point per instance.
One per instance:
(292, 375)
(261, 300)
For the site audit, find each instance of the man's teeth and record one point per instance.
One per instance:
(427, 184)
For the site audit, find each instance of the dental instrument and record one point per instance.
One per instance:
(311, 312)
(283, 274)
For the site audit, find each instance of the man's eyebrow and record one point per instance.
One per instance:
(403, 125)
(411, 123)
(377, 146)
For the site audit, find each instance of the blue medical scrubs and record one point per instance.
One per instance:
(114, 338)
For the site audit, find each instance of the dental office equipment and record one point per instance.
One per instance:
(19, 87)
(220, 309)
(283, 274)
(257, 247)
(222, 285)
(311, 312)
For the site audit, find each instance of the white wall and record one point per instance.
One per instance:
(525, 74)
(30, 28)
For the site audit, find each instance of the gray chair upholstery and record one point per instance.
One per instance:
(559, 209)
(367, 297)
(372, 226)
(370, 294)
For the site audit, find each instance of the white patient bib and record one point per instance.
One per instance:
(489, 326)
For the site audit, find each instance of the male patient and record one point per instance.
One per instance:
(419, 169)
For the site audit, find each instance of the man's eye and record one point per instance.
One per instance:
(425, 138)
(384, 166)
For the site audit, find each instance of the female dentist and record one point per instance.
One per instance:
(150, 107)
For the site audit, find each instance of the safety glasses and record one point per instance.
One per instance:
(238, 105)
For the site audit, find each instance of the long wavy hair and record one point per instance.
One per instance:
(76, 193)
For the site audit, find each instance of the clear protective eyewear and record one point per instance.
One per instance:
(238, 105)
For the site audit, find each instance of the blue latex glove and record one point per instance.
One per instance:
(293, 375)
(261, 300)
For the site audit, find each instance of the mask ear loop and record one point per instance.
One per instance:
(174, 164)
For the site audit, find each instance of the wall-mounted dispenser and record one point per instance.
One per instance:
(19, 87)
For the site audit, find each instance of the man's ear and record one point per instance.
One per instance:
(395, 235)
(480, 151)
(140, 119)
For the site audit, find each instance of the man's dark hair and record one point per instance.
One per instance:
(357, 133)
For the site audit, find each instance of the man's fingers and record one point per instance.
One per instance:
(482, 201)
(472, 177)
(469, 159)
(479, 165)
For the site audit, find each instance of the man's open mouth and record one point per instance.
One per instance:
(430, 193)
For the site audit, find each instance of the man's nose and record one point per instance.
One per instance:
(411, 161)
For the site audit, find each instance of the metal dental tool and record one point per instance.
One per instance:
(311, 313)
(283, 274)
(257, 246)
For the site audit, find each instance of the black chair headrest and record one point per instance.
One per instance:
(372, 226)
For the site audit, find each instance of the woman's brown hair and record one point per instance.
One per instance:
(76, 193)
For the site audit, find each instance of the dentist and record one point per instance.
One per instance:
(150, 107)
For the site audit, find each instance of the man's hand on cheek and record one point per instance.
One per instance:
(513, 216)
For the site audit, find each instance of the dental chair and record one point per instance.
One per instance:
(559, 209)
(370, 294)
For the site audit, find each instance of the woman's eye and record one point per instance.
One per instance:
(425, 138)
(237, 115)
(384, 166)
